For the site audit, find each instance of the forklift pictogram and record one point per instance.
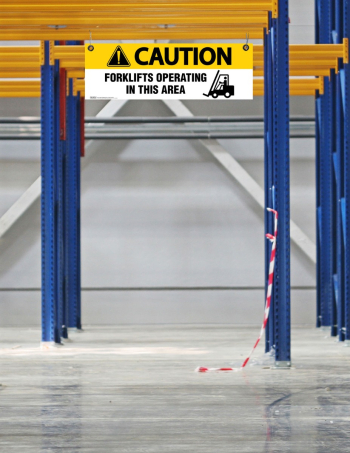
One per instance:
(221, 87)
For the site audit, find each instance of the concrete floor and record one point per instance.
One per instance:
(133, 389)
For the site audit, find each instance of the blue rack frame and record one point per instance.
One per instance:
(276, 98)
(338, 161)
(71, 209)
(333, 185)
(60, 170)
(326, 182)
(60, 207)
(50, 330)
(61, 195)
(345, 83)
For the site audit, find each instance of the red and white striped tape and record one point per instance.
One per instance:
(273, 239)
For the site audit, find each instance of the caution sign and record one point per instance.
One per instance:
(169, 71)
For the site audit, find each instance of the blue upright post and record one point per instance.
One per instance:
(328, 314)
(338, 160)
(71, 217)
(324, 209)
(64, 145)
(64, 249)
(276, 98)
(318, 210)
(73, 279)
(280, 136)
(50, 329)
(326, 266)
(269, 202)
(80, 140)
(59, 206)
(345, 78)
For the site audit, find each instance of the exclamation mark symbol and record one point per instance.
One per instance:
(118, 56)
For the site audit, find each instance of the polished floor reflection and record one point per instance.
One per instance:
(133, 389)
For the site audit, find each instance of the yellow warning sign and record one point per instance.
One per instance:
(169, 71)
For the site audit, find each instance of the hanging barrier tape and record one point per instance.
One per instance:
(273, 239)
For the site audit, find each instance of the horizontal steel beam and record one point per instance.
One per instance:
(114, 33)
(303, 54)
(256, 19)
(157, 136)
(118, 5)
(157, 119)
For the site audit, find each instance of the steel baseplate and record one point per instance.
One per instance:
(283, 365)
(48, 345)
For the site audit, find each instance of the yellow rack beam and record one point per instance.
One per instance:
(131, 33)
(239, 5)
(297, 87)
(313, 52)
(319, 52)
(43, 6)
(15, 94)
(20, 74)
(304, 60)
(297, 52)
(107, 5)
(215, 17)
(303, 72)
(135, 12)
(20, 86)
(23, 51)
(76, 73)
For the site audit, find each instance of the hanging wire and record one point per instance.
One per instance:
(246, 46)
(90, 47)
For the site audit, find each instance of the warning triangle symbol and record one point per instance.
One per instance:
(118, 59)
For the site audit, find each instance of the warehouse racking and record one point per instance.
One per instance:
(280, 70)
(333, 189)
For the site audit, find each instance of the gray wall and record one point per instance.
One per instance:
(161, 214)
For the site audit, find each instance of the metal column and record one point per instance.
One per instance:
(338, 161)
(72, 210)
(268, 170)
(50, 327)
(59, 205)
(345, 85)
(326, 184)
(80, 145)
(277, 176)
